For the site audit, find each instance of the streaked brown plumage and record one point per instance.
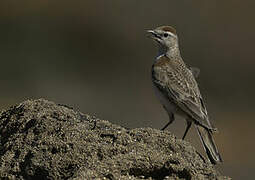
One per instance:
(174, 79)
(178, 91)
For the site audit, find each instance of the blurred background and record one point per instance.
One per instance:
(94, 55)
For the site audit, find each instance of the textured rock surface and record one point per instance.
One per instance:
(42, 140)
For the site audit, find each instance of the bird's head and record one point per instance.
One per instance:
(165, 35)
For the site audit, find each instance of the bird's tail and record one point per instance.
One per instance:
(209, 145)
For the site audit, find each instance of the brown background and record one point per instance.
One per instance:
(94, 56)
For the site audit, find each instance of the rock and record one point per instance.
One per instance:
(43, 140)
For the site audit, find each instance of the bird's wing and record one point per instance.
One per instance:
(179, 85)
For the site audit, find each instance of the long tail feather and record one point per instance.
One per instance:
(209, 145)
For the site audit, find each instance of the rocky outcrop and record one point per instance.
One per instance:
(43, 140)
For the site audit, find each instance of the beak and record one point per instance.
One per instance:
(150, 31)
(153, 35)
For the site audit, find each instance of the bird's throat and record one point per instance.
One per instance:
(170, 52)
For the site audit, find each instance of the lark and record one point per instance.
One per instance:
(177, 90)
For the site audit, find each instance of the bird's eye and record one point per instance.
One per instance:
(165, 34)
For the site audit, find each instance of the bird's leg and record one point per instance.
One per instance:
(187, 129)
(171, 119)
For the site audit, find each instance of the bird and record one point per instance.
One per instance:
(176, 87)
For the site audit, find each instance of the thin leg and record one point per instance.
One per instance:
(187, 129)
(171, 119)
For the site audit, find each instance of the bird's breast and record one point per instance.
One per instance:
(166, 102)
